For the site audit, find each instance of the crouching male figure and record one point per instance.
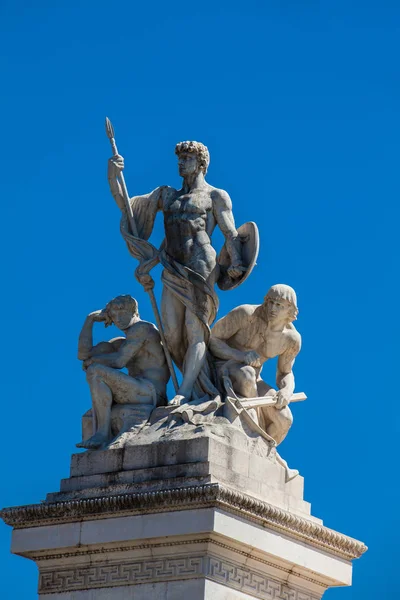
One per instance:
(140, 351)
(250, 335)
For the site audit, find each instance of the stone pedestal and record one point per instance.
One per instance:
(199, 517)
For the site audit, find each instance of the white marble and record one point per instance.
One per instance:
(228, 553)
(189, 303)
(122, 402)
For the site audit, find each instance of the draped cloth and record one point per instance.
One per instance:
(199, 297)
(189, 287)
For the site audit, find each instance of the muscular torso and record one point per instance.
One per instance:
(189, 222)
(252, 334)
(149, 360)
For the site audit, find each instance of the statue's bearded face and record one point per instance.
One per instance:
(278, 311)
(188, 164)
(121, 316)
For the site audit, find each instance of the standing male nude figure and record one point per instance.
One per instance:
(189, 303)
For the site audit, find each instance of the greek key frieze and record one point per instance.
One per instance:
(127, 573)
(252, 582)
(135, 572)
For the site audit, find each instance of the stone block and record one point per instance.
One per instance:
(171, 452)
(176, 463)
(128, 488)
(191, 470)
(266, 471)
(90, 463)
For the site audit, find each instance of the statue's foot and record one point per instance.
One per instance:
(96, 441)
(178, 400)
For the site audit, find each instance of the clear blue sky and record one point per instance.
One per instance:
(298, 102)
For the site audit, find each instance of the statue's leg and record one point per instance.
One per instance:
(243, 379)
(101, 405)
(279, 422)
(195, 354)
(173, 319)
(105, 385)
(126, 389)
(244, 382)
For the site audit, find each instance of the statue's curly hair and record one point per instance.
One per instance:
(203, 156)
(124, 300)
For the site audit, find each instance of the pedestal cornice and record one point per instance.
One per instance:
(212, 495)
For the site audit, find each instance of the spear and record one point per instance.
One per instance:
(128, 207)
(131, 219)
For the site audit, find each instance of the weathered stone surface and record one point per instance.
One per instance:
(189, 302)
(228, 554)
(120, 401)
(246, 338)
(172, 463)
(267, 515)
(191, 499)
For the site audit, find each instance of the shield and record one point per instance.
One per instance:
(250, 242)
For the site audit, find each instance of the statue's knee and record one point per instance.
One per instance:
(93, 371)
(248, 374)
(244, 380)
(286, 417)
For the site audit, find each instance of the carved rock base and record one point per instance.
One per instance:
(180, 519)
(170, 463)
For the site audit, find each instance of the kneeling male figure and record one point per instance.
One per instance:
(140, 351)
(246, 338)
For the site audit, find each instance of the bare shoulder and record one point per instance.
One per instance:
(160, 193)
(144, 330)
(166, 192)
(245, 310)
(239, 314)
(220, 197)
(293, 338)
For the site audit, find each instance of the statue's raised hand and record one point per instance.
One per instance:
(99, 316)
(115, 165)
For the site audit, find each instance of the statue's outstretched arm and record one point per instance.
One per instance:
(118, 359)
(223, 330)
(284, 375)
(144, 207)
(115, 166)
(85, 343)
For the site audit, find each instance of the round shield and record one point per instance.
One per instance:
(250, 242)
